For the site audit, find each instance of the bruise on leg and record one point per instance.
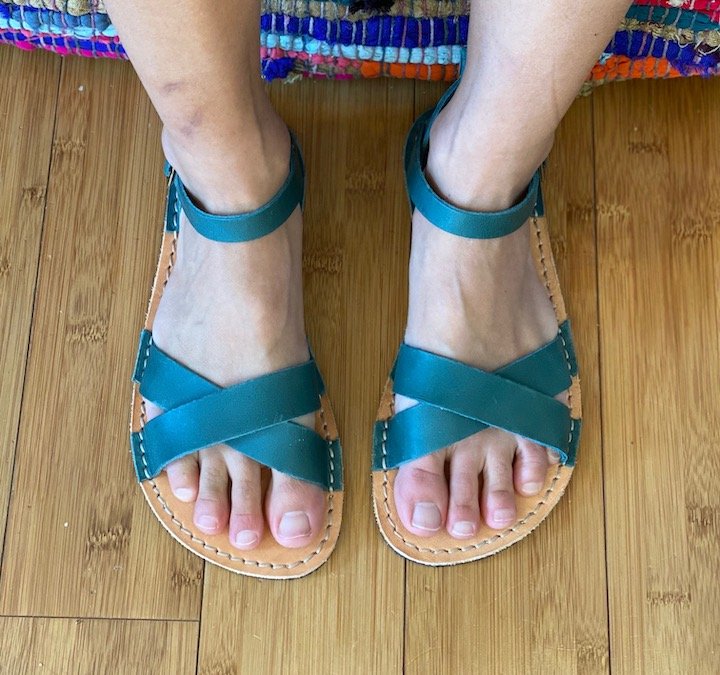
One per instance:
(173, 87)
(194, 121)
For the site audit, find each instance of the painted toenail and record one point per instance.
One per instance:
(208, 522)
(246, 538)
(294, 524)
(464, 528)
(532, 488)
(185, 494)
(504, 516)
(426, 516)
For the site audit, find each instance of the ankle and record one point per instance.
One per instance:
(480, 163)
(231, 171)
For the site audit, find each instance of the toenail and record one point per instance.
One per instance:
(463, 528)
(185, 494)
(532, 488)
(294, 524)
(504, 516)
(426, 516)
(246, 538)
(208, 522)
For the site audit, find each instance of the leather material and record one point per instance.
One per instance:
(461, 222)
(244, 226)
(308, 454)
(457, 401)
(253, 417)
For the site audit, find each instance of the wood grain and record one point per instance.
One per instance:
(26, 127)
(75, 504)
(540, 606)
(658, 192)
(348, 616)
(91, 647)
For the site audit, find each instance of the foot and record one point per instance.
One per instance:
(231, 312)
(480, 302)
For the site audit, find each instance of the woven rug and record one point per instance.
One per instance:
(409, 38)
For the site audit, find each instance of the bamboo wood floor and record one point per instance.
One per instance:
(624, 574)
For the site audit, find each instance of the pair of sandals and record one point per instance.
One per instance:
(255, 417)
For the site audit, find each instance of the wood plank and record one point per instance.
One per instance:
(28, 95)
(658, 196)
(539, 606)
(347, 616)
(75, 505)
(32, 645)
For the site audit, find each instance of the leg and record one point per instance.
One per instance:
(242, 301)
(480, 301)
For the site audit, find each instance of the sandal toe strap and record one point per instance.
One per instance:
(253, 417)
(457, 400)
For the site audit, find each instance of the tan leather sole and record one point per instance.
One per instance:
(441, 548)
(268, 560)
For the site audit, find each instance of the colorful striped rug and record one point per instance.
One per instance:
(408, 38)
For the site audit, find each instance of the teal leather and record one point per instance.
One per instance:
(457, 400)
(244, 226)
(253, 417)
(461, 222)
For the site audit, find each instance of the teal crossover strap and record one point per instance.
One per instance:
(253, 417)
(457, 401)
(243, 226)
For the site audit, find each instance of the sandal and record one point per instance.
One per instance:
(253, 417)
(456, 400)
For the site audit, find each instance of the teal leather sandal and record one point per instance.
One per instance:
(252, 417)
(457, 400)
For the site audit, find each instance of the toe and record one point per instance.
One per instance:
(497, 502)
(296, 510)
(530, 469)
(421, 494)
(211, 507)
(183, 478)
(246, 517)
(463, 519)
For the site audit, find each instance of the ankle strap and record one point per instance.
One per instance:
(442, 214)
(242, 226)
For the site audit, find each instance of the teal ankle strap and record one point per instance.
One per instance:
(242, 226)
(442, 214)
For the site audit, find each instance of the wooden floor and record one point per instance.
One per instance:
(624, 574)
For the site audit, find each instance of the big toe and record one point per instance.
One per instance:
(421, 494)
(296, 510)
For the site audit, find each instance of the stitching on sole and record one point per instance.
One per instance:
(505, 533)
(177, 522)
